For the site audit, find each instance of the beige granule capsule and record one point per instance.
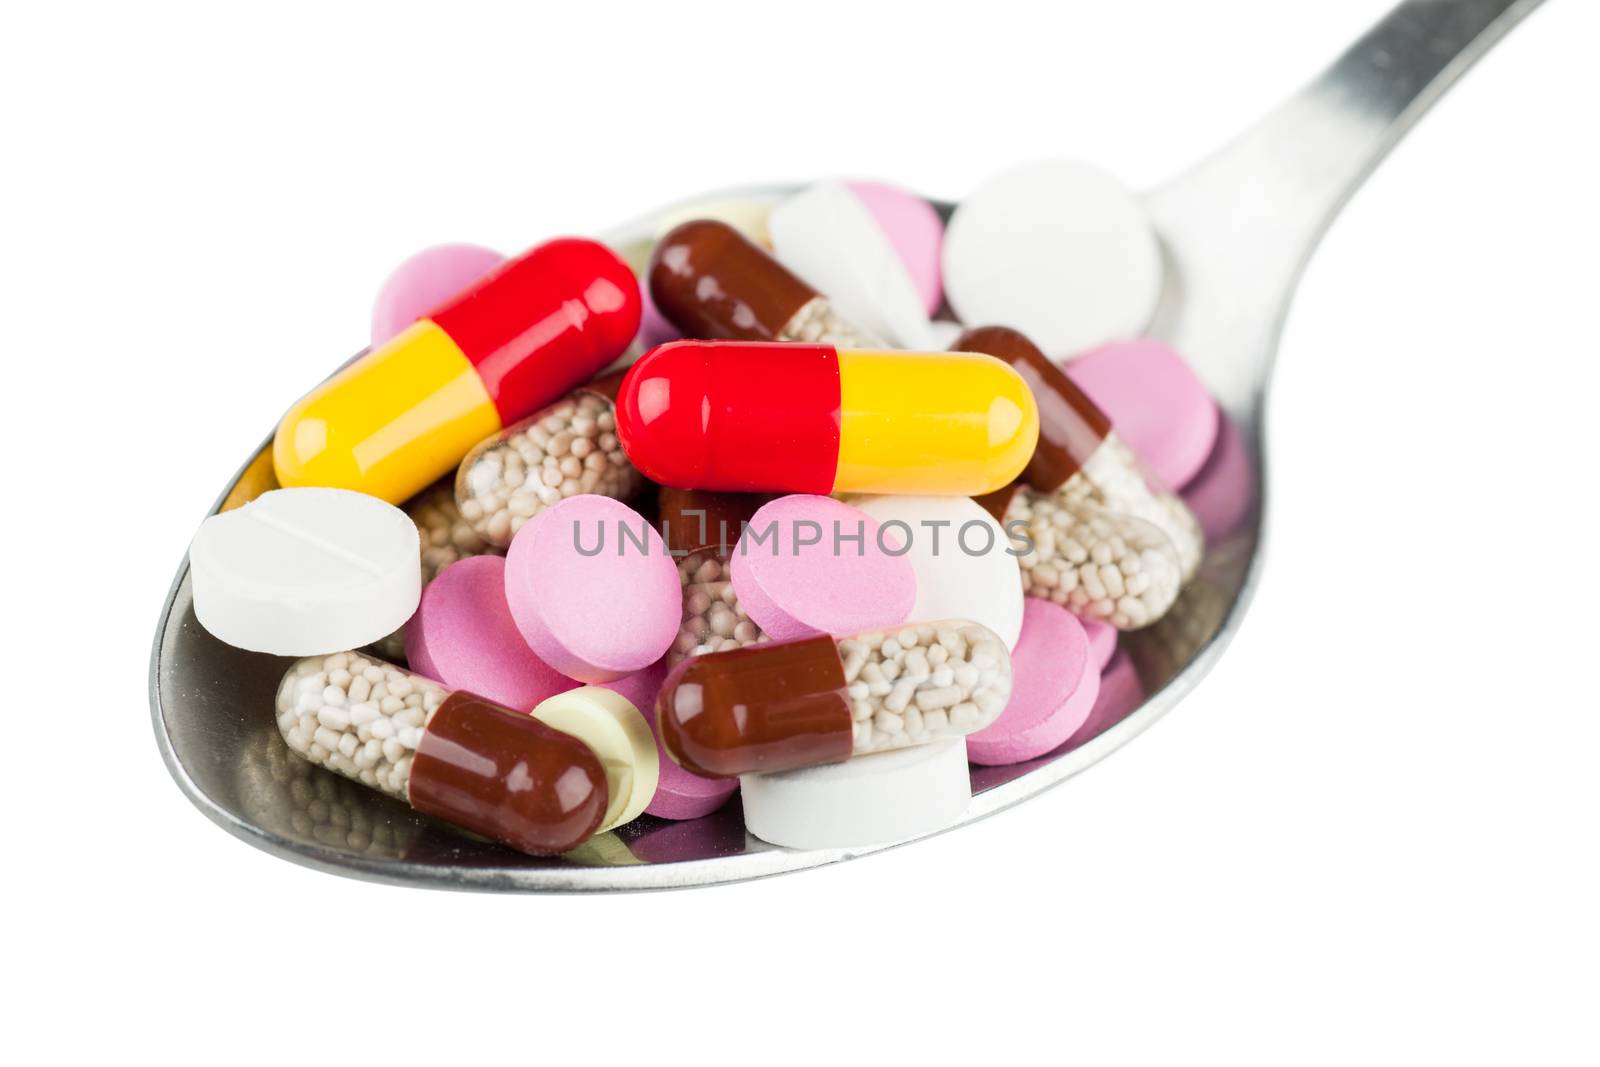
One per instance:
(446, 537)
(568, 448)
(1114, 479)
(920, 682)
(1095, 562)
(818, 323)
(367, 740)
(713, 620)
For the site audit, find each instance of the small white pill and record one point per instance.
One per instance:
(888, 796)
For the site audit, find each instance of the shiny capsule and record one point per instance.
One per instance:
(405, 413)
(452, 755)
(714, 283)
(803, 418)
(779, 706)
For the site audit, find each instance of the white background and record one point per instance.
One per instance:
(1371, 835)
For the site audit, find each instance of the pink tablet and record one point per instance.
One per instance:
(1155, 403)
(812, 565)
(1054, 684)
(1102, 642)
(592, 588)
(1120, 693)
(462, 636)
(423, 282)
(1224, 492)
(915, 230)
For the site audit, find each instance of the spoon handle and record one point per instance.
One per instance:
(1240, 225)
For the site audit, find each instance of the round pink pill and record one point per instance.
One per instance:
(423, 282)
(641, 687)
(463, 637)
(1155, 402)
(592, 589)
(1120, 693)
(915, 230)
(1224, 492)
(812, 565)
(1102, 642)
(1053, 686)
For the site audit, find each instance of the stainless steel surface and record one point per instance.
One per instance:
(1237, 229)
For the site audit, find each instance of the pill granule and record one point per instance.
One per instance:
(1115, 477)
(1095, 562)
(445, 535)
(360, 717)
(570, 447)
(916, 684)
(713, 620)
(817, 323)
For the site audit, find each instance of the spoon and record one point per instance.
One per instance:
(1237, 231)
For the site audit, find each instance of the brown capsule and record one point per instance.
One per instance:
(453, 755)
(1071, 426)
(714, 283)
(507, 776)
(784, 705)
(769, 708)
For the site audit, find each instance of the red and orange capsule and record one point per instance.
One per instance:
(404, 414)
(740, 416)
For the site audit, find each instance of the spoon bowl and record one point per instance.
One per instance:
(1236, 231)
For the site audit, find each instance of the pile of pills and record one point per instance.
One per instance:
(771, 554)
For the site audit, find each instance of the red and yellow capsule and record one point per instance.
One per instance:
(743, 416)
(404, 414)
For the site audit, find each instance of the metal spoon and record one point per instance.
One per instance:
(1237, 229)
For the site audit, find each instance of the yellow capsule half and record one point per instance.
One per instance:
(390, 424)
(935, 423)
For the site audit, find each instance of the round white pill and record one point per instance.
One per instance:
(826, 235)
(961, 558)
(302, 572)
(868, 800)
(1057, 249)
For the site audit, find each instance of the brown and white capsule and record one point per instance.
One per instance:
(783, 705)
(1079, 456)
(567, 448)
(715, 284)
(452, 755)
(1108, 541)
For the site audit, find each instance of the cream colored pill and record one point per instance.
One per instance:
(619, 737)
